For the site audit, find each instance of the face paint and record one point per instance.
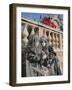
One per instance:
(43, 43)
(51, 56)
(44, 57)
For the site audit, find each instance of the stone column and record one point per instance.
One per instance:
(25, 35)
(49, 37)
(54, 43)
(57, 41)
(40, 31)
(61, 41)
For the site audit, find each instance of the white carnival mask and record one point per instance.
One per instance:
(43, 43)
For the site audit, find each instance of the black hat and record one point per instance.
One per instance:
(50, 49)
(53, 52)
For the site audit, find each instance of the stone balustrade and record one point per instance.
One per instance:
(54, 36)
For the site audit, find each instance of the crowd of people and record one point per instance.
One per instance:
(42, 55)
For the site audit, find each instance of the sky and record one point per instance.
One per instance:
(38, 16)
